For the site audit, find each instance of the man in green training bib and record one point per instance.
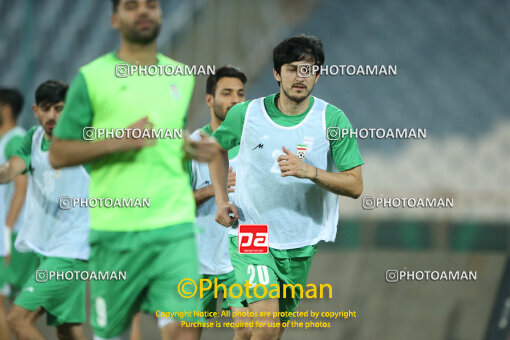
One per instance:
(57, 236)
(155, 245)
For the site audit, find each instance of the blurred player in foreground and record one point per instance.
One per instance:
(58, 236)
(289, 176)
(224, 89)
(12, 195)
(156, 245)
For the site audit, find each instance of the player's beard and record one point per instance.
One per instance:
(136, 36)
(219, 112)
(297, 99)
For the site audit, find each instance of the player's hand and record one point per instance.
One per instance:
(224, 212)
(203, 150)
(231, 180)
(292, 165)
(126, 143)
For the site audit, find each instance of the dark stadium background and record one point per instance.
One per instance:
(453, 73)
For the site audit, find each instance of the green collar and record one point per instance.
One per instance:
(207, 129)
(274, 112)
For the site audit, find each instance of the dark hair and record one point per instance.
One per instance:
(222, 72)
(298, 47)
(14, 99)
(50, 92)
(115, 5)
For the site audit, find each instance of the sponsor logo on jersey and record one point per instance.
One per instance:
(259, 146)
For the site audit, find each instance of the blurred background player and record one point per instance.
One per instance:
(156, 246)
(224, 89)
(58, 236)
(12, 196)
(297, 197)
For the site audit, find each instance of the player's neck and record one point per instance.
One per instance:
(137, 54)
(6, 127)
(214, 123)
(290, 107)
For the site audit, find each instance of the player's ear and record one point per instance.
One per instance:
(36, 111)
(276, 76)
(114, 20)
(317, 78)
(209, 100)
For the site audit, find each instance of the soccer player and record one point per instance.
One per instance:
(155, 246)
(297, 197)
(12, 195)
(58, 236)
(224, 89)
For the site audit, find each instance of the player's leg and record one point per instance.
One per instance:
(22, 322)
(21, 268)
(169, 328)
(293, 271)
(261, 329)
(242, 332)
(4, 292)
(258, 270)
(174, 262)
(234, 301)
(174, 331)
(4, 328)
(115, 303)
(70, 331)
(135, 327)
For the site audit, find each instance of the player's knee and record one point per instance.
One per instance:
(69, 331)
(266, 333)
(15, 321)
(242, 333)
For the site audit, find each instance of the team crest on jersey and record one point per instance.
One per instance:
(301, 151)
(58, 173)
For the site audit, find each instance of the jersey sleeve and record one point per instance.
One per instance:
(13, 145)
(228, 134)
(77, 112)
(344, 150)
(25, 148)
(189, 169)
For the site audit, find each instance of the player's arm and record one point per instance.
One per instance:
(203, 194)
(10, 169)
(219, 177)
(20, 191)
(15, 206)
(346, 183)
(20, 181)
(228, 135)
(200, 195)
(68, 146)
(71, 152)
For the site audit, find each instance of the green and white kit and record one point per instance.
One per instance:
(299, 213)
(155, 245)
(57, 235)
(213, 239)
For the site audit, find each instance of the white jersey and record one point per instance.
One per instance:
(298, 212)
(48, 229)
(7, 190)
(213, 240)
